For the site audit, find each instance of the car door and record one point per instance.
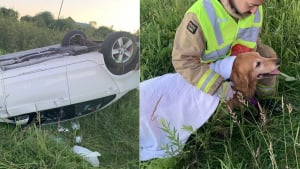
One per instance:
(88, 81)
(35, 90)
(3, 112)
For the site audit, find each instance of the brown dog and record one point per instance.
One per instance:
(247, 69)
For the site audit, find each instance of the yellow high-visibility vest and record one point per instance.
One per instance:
(222, 32)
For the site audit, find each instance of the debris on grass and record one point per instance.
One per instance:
(78, 139)
(75, 125)
(88, 155)
(63, 129)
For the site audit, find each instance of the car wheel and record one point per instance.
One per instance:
(120, 52)
(74, 37)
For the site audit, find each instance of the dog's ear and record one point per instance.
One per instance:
(240, 83)
(251, 85)
(245, 83)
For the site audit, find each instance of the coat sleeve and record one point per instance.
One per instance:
(188, 47)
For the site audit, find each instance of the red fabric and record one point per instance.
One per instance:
(237, 49)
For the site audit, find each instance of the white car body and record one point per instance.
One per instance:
(60, 80)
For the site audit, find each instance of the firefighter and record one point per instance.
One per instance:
(210, 35)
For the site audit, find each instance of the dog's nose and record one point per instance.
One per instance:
(278, 62)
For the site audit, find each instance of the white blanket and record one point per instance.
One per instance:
(171, 98)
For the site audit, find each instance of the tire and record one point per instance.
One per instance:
(74, 37)
(121, 53)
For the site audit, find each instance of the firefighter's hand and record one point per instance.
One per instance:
(225, 91)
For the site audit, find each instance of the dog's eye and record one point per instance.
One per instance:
(257, 64)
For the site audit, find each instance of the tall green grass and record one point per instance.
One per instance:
(252, 145)
(158, 20)
(113, 132)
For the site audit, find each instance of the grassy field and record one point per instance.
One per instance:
(274, 144)
(112, 132)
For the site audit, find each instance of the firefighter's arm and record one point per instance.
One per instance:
(189, 45)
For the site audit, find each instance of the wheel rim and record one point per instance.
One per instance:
(122, 50)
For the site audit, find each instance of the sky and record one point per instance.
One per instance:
(123, 15)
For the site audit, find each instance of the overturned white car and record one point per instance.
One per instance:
(68, 80)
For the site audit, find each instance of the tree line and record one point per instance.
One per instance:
(27, 32)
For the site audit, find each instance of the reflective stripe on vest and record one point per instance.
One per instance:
(248, 34)
(265, 89)
(217, 54)
(212, 16)
(257, 16)
(220, 30)
(207, 80)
